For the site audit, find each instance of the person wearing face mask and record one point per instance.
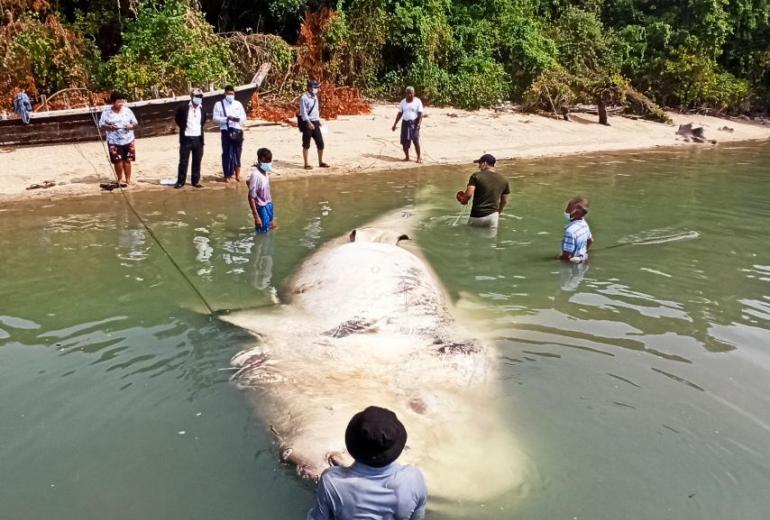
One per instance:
(230, 115)
(119, 122)
(489, 191)
(310, 125)
(577, 235)
(260, 199)
(190, 118)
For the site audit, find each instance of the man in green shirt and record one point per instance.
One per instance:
(489, 191)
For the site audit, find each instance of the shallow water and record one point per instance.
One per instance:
(638, 387)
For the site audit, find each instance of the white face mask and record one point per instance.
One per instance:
(230, 98)
(315, 91)
(197, 101)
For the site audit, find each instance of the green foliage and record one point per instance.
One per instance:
(167, 47)
(696, 54)
(44, 55)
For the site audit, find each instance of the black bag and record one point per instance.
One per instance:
(301, 123)
(234, 134)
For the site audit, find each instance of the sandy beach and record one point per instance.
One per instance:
(357, 144)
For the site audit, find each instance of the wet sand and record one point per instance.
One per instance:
(356, 144)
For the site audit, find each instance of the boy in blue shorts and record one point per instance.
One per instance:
(577, 235)
(260, 200)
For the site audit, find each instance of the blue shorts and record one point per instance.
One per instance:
(266, 216)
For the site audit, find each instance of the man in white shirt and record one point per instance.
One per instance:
(229, 114)
(190, 118)
(410, 114)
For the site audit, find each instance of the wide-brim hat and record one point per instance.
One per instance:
(375, 437)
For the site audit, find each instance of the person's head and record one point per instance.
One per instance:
(264, 159)
(230, 93)
(577, 208)
(486, 162)
(409, 92)
(196, 96)
(313, 86)
(118, 99)
(375, 437)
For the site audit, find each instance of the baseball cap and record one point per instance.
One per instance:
(487, 158)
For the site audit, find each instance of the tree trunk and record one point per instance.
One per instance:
(602, 108)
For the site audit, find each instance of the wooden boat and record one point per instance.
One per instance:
(155, 117)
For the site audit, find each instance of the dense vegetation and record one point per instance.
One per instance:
(690, 54)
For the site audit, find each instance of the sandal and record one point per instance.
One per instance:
(308, 167)
(323, 165)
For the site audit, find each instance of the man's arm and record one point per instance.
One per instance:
(322, 509)
(219, 116)
(469, 191)
(398, 118)
(503, 202)
(179, 117)
(133, 122)
(253, 206)
(567, 246)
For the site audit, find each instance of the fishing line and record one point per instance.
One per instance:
(144, 223)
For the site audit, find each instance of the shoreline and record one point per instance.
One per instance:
(356, 144)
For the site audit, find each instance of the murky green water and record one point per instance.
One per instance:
(640, 388)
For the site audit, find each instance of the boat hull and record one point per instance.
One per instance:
(155, 117)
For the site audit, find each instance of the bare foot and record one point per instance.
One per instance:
(405, 159)
(419, 159)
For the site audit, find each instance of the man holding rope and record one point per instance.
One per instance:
(489, 191)
(119, 121)
(410, 114)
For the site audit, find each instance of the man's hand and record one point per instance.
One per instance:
(394, 128)
(257, 222)
(310, 126)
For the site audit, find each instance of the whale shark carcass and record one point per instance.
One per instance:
(368, 323)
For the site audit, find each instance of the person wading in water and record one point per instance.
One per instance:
(489, 191)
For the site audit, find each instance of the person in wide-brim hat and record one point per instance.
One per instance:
(375, 484)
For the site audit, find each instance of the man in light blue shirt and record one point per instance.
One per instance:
(577, 235)
(375, 486)
(230, 115)
(310, 124)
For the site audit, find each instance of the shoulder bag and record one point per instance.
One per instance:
(301, 123)
(234, 134)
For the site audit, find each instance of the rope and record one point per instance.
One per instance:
(144, 223)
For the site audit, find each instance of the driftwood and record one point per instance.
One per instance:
(695, 134)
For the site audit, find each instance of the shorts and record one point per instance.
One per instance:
(488, 221)
(315, 134)
(266, 215)
(122, 152)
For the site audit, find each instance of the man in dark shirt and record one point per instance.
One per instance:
(489, 191)
(191, 119)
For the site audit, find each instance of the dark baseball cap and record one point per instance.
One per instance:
(311, 83)
(487, 158)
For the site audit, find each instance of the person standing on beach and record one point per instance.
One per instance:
(229, 114)
(22, 105)
(119, 121)
(310, 124)
(410, 113)
(190, 118)
(260, 198)
(577, 235)
(489, 191)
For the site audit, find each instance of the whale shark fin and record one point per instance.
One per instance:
(258, 320)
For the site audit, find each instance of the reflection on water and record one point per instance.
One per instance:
(637, 382)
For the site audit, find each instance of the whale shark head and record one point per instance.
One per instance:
(377, 235)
